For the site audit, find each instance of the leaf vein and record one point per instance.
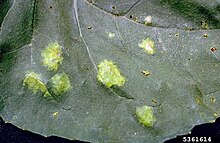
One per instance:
(80, 33)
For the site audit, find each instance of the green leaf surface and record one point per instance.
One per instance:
(182, 86)
(4, 7)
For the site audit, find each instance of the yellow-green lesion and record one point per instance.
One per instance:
(34, 83)
(52, 56)
(60, 83)
(109, 74)
(148, 46)
(145, 115)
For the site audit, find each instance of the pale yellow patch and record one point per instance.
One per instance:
(148, 46)
(33, 82)
(111, 35)
(52, 56)
(148, 20)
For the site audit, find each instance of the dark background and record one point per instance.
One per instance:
(12, 134)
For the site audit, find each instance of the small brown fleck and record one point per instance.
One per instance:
(204, 24)
(177, 34)
(113, 7)
(190, 29)
(117, 14)
(205, 35)
(131, 16)
(90, 27)
(170, 35)
(213, 49)
(135, 19)
(154, 101)
(212, 99)
(91, 1)
(145, 72)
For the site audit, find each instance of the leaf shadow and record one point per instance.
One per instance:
(120, 92)
(194, 12)
(7, 60)
(4, 7)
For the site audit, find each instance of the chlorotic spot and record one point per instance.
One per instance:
(109, 74)
(52, 56)
(34, 83)
(146, 116)
(198, 100)
(148, 46)
(55, 114)
(111, 35)
(60, 84)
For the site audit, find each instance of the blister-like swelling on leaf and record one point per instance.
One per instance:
(60, 83)
(146, 116)
(148, 46)
(52, 56)
(34, 83)
(109, 74)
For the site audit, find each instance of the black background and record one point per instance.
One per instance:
(11, 134)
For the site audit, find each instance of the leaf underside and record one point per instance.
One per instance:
(184, 74)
